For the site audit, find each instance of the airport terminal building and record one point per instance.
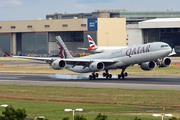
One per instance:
(106, 27)
(38, 36)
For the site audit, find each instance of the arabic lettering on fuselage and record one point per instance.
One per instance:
(138, 50)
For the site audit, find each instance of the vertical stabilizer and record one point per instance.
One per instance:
(63, 51)
(92, 44)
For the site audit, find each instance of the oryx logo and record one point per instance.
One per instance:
(62, 52)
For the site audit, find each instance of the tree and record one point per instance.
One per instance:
(173, 118)
(66, 118)
(136, 118)
(101, 117)
(2, 118)
(79, 117)
(11, 114)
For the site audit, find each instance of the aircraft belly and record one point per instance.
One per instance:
(117, 65)
(79, 69)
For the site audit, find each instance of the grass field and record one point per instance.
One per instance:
(121, 104)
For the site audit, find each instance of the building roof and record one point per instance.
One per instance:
(163, 20)
(160, 23)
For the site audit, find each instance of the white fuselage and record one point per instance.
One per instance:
(126, 56)
(107, 48)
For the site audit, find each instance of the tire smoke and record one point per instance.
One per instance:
(69, 76)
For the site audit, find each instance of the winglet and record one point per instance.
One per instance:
(63, 51)
(172, 53)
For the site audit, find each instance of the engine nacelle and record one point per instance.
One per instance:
(96, 66)
(148, 65)
(58, 64)
(164, 63)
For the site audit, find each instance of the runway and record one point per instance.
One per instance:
(131, 82)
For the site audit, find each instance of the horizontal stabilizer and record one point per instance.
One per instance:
(172, 53)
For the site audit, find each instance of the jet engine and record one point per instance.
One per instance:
(164, 63)
(148, 65)
(96, 66)
(58, 64)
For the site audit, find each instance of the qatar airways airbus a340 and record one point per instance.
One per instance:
(146, 55)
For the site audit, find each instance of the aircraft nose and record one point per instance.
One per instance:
(170, 50)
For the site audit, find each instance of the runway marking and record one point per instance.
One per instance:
(16, 77)
(89, 83)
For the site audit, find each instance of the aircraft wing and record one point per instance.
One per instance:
(82, 48)
(47, 60)
(70, 61)
(34, 58)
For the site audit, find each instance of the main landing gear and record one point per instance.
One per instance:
(122, 75)
(93, 76)
(108, 75)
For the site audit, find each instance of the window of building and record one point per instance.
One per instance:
(0, 27)
(13, 27)
(83, 25)
(29, 26)
(47, 26)
(65, 25)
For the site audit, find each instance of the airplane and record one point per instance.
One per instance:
(146, 55)
(94, 48)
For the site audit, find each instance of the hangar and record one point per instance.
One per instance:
(162, 29)
(38, 36)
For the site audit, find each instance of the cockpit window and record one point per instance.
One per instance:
(164, 45)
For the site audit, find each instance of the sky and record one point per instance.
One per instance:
(15, 10)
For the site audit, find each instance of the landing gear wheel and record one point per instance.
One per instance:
(90, 77)
(119, 76)
(125, 74)
(93, 76)
(110, 76)
(107, 75)
(122, 76)
(97, 74)
(104, 74)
